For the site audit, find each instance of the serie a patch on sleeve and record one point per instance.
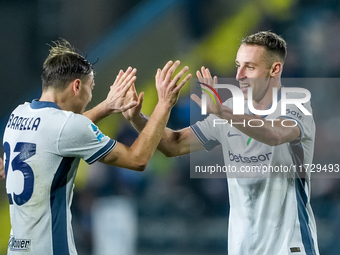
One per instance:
(97, 133)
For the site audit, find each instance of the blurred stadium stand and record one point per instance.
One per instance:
(176, 214)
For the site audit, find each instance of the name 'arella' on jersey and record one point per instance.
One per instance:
(23, 123)
(43, 146)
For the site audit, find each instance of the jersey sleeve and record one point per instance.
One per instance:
(304, 122)
(206, 133)
(83, 139)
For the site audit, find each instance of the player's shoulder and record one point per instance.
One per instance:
(228, 103)
(76, 120)
(21, 107)
(298, 95)
(295, 95)
(80, 123)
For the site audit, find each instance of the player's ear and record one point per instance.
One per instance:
(76, 86)
(276, 69)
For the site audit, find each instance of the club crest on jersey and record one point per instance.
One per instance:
(19, 244)
(98, 134)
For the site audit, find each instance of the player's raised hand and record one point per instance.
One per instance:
(116, 99)
(167, 88)
(132, 96)
(207, 84)
(2, 169)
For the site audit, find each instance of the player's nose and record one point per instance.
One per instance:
(240, 75)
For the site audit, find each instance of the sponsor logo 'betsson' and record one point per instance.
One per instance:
(249, 159)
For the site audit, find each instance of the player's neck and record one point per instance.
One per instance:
(267, 100)
(60, 98)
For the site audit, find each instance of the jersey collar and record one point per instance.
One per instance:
(36, 104)
(278, 100)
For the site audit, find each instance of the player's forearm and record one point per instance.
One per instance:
(169, 143)
(150, 136)
(175, 143)
(98, 112)
(139, 122)
(270, 132)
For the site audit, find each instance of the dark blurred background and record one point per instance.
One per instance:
(163, 210)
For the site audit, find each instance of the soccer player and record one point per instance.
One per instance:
(44, 141)
(269, 215)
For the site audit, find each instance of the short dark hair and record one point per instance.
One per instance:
(275, 45)
(63, 65)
